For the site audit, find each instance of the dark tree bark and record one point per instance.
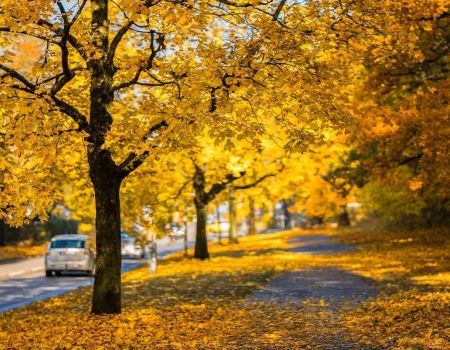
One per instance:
(286, 214)
(201, 240)
(203, 198)
(201, 204)
(251, 217)
(343, 218)
(232, 234)
(106, 298)
(218, 224)
(2, 234)
(274, 214)
(105, 175)
(185, 224)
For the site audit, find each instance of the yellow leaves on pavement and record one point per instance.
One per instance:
(192, 304)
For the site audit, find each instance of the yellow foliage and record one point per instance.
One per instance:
(20, 252)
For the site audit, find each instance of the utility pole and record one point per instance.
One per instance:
(219, 228)
(185, 223)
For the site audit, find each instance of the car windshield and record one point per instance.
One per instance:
(68, 243)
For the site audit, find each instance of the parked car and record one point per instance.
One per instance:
(176, 232)
(132, 251)
(129, 248)
(67, 253)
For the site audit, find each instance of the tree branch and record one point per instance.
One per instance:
(16, 75)
(258, 181)
(64, 107)
(154, 49)
(72, 112)
(411, 159)
(70, 38)
(278, 10)
(68, 73)
(133, 160)
(116, 41)
(219, 187)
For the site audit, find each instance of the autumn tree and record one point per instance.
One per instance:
(97, 60)
(126, 83)
(401, 98)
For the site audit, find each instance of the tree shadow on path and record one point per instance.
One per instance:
(332, 285)
(319, 244)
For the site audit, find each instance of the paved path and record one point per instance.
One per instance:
(319, 244)
(24, 282)
(20, 267)
(336, 290)
(334, 286)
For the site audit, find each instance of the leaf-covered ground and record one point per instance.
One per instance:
(211, 305)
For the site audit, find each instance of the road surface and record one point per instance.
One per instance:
(24, 282)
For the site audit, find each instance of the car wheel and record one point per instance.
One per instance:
(48, 273)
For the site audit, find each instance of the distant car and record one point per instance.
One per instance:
(69, 253)
(176, 234)
(129, 248)
(132, 251)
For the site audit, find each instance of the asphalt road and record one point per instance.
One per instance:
(24, 282)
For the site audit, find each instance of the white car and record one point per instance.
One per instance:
(132, 251)
(177, 234)
(67, 253)
(129, 248)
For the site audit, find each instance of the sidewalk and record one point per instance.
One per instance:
(21, 267)
(297, 289)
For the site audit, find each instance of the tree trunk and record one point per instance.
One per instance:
(185, 223)
(201, 205)
(274, 215)
(232, 236)
(201, 241)
(251, 217)
(219, 228)
(286, 214)
(343, 218)
(104, 173)
(2, 234)
(106, 298)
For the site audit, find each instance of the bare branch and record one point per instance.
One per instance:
(235, 4)
(63, 12)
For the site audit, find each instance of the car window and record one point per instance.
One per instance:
(68, 243)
